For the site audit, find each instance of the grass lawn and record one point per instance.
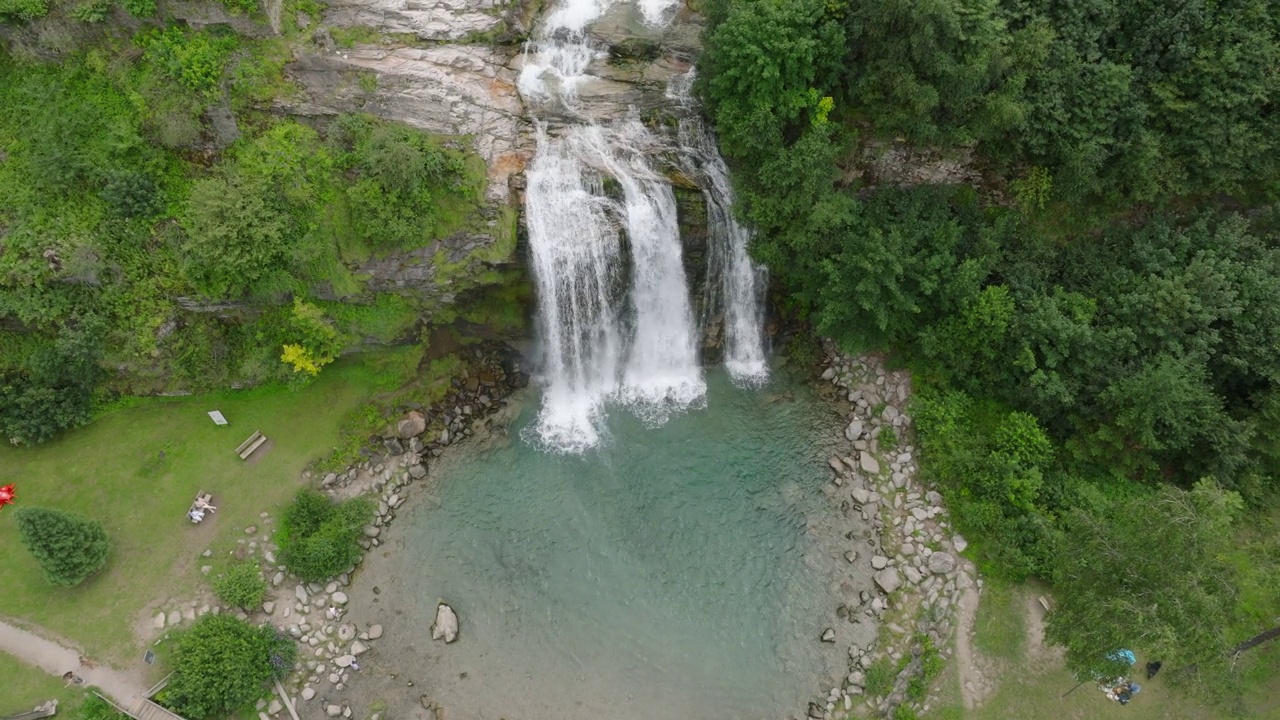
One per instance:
(138, 469)
(1001, 628)
(25, 686)
(1030, 689)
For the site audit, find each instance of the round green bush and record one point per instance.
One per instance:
(223, 664)
(241, 585)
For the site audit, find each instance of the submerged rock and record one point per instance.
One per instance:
(446, 624)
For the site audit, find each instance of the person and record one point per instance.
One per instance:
(1134, 688)
(1123, 696)
(355, 665)
(202, 504)
(196, 515)
(331, 613)
(1153, 668)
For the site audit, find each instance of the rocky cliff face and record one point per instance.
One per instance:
(449, 67)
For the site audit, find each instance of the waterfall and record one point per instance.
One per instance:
(637, 347)
(735, 284)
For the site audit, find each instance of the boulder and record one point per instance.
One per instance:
(308, 693)
(339, 598)
(375, 632)
(346, 632)
(879, 562)
(358, 648)
(159, 621)
(959, 543)
(913, 575)
(861, 495)
(300, 592)
(941, 563)
(333, 710)
(869, 463)
(888, 580)
(854, 430)
(343, 661)
(446, 624)
(418, 471)
(828, 635)
(274, 707)
(175, 617)
(836, 464)
(851, 556)
(412, 424)
(269, 607)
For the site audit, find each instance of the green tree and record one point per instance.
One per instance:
(55, 389)
(1150, 573)
(69, 548)
(222, 664)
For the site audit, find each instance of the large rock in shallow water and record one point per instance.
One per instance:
(446, 624)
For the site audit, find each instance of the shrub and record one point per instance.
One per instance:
(94, 11)
(241, 585)
(222, 664)
(95, 708)
(315, 341)
(139, 8)
(319, 538)
(194, 59)
(23, 9)
(68, 547)
(880, 677)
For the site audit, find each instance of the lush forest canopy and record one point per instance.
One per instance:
(1092, 314)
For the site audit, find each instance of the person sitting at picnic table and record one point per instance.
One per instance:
(196, 515)
(202, 504)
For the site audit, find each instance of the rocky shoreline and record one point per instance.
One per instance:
(919, 572)
(318, 615)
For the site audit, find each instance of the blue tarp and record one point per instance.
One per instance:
(1123, 656)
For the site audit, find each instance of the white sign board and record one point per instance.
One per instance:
(217, 417)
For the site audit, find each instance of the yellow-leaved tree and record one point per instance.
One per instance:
(316, 344)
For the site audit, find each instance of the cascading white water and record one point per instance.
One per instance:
(576, 234)
(735, 284)
(575, 260)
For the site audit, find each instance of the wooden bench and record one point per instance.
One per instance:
(253, 443)
(203, 503)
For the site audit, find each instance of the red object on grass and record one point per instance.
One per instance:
(7, 494)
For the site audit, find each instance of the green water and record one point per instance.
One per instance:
(674, 573)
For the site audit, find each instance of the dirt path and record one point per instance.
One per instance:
(55, 658)
(970, 678)
(1040, 657)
